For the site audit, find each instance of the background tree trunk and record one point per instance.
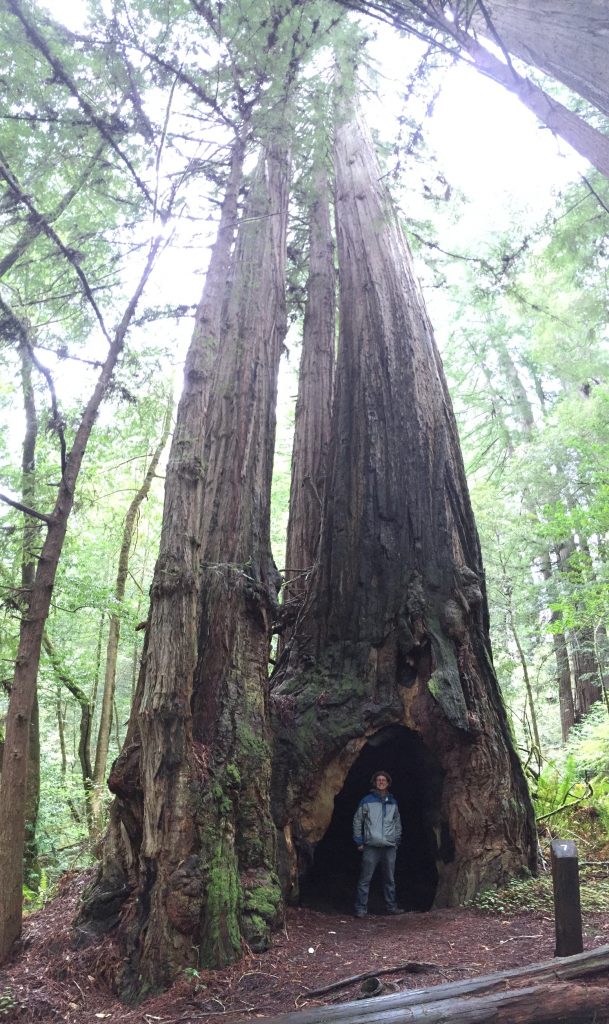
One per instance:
(114, 628)
(23, 690)
(31, 544)
(391, 652)
(314, 403)
(565, 38)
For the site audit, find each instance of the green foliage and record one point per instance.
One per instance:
(8, 1003)
(536, 894)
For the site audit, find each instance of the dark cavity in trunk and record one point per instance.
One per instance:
(329, 870)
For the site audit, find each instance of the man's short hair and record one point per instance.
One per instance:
(376, 775)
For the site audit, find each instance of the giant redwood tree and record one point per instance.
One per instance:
(191, 836)
(390, 665)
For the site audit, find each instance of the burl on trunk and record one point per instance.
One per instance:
(390, 664)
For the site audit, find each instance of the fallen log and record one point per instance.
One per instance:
(409, 967)
(560, 1003)
(441, 1003)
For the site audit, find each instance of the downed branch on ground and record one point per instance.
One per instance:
(536, 1004)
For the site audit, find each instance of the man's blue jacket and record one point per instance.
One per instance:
(377, 821)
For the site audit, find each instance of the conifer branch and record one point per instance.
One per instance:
(62, 75)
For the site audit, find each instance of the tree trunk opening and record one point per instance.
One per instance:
(328, 871)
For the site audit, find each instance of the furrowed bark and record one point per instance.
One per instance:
(190, 835)
(394, 630)
(425, 18)
(566, 39)
(239, 585)
(313, 406)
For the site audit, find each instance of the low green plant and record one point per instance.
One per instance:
(7, 1003)
(536, 894)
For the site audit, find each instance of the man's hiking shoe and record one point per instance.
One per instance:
(395, 910)
(360, 913)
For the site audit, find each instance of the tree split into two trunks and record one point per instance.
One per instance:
(394, 627)
(191, 839)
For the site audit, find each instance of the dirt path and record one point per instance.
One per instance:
(53, 981)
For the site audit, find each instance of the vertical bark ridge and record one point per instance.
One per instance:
(240, 583)
(151, 830)
(314, 403)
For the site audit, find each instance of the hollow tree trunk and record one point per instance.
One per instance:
(114, 628)
(394, 628)
(190, 829)
(314, 404)
(565, 38)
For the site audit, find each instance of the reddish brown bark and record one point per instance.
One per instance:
(314, 403)
(190, 831)
(394, 631)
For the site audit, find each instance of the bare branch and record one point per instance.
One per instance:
(24, 508)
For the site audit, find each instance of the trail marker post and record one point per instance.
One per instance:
(567, 905)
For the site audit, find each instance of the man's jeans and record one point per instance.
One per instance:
(372, 856)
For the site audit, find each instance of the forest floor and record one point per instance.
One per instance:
(52, 981)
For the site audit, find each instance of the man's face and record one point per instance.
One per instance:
(382, 782)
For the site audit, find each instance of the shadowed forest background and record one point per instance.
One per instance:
(133, 142)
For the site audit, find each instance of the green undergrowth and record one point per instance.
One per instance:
(7, 1003)
(535, 894)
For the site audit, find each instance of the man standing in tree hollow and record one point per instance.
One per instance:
(377, 830)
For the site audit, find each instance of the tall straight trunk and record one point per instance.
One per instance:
(586, 670)
(239, 587)
(314, 402)
(192, 778)
(31, 542)
(582, 654)
(563, 670)
(23, 690)
(565, 38)
(393, 637)
(114, 628)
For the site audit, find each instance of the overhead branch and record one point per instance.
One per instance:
(7, 175)
(35, 228)
(63, 75)
(24, 508)
(195, 87)
(420, 17)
